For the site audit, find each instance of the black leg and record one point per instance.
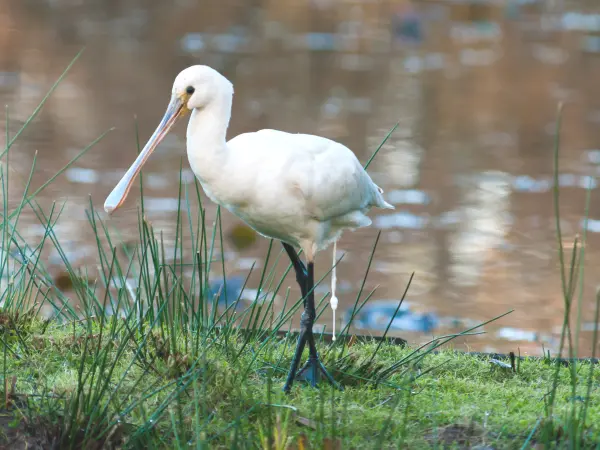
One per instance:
(299, 268)
(313, 369)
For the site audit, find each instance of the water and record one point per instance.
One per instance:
(474, 88)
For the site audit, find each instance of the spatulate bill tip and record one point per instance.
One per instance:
(109, 208)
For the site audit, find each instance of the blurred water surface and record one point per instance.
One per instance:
(473, 85)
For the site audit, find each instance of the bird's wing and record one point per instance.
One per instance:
(326, 174)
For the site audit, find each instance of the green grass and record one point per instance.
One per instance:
(161, 398)
(139, 355)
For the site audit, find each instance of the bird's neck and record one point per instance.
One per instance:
(206, 138)
(211, 122)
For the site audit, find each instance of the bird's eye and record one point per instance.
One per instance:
(190, 90)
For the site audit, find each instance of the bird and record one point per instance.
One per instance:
(303, 190)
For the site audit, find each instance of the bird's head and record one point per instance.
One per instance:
(194, 88)
(198, 86)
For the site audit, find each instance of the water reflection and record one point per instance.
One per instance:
(473, 86)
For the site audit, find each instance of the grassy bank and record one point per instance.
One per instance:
(136, 352)
(106, 384)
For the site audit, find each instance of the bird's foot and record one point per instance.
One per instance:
(312, 372)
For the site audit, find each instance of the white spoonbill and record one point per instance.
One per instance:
(301, 189)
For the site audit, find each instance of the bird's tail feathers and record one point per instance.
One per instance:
(380, 201)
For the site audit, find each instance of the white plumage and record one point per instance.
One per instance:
(301, 189)
(298, 188)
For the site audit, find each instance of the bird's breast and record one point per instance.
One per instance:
(218, 186)
(278, 221)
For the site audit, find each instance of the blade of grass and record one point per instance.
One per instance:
(368, 163)
(38, 108)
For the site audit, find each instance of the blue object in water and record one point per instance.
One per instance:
(377, 316)
(229, 294)
(226, 296)
(407, 27)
